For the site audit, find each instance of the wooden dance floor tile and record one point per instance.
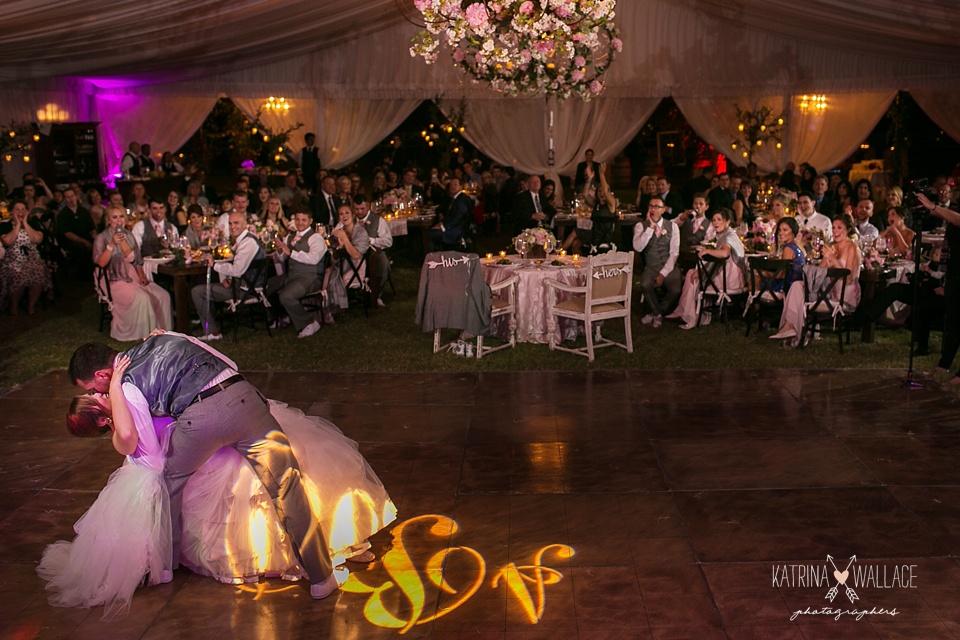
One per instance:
(553, 505)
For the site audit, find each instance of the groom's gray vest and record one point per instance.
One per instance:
(170, 371)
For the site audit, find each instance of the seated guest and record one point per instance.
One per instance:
(176, 210)
(291, 195)
(410, 185)
(379, 185)
(344, 193)
(96, 216)
(743, 205)
(238, 204)
(380, 236)
(448, 234)
(842, 254)
(349, 241)
(529, 210)
(274, 213)
(672, 200)
(258, 205)
(138, 198)
(324, 205)
(861, 215)
(169, 165)
(195, 194)
(779, 206)
(809, 219)
(898, 236)
(194, 230)
(139, 306)
(693, 226)
(303, 251)
(93, 197)
(787, 230)
(155, 232)
(721, 196)
(75, 233)
(823, 201)
(659, 242)
(21, 267)
(729, 248)
(246, 249)
(598, 199)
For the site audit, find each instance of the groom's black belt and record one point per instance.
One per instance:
(217, 388)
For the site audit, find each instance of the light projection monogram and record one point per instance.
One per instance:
(453, 574)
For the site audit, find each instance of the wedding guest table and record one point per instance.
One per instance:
(181, 296)
(533, 295)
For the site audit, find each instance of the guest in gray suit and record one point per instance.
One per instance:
(658, 240)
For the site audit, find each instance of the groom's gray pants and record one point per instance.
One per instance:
(239, 417)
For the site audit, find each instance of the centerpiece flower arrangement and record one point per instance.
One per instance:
(536, 241)
(397, 199)
(524, 47)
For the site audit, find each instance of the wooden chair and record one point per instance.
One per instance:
(505, 305)
(356, 280)
(767, 284)
(249, 300)
(827, 310)
(710, 296)
(102, 285)
(607, 295)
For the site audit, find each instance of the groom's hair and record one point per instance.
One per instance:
(89, 359)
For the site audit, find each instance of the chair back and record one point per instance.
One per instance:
(354, 276)
(707, 266)
(610, 279)
(250, 285)
(765, 274)
(452, 293)
(102, 285)
(824, 304)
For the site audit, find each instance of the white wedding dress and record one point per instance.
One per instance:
(231, 530)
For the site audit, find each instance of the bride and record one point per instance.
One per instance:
(231, 531)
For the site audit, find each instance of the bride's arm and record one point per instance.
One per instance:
(125, 436)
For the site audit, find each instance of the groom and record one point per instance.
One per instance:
(213, 406)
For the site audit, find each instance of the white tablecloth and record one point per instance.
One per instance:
(150, 266)
(533, 296)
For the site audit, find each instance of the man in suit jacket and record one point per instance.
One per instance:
(410, 185)
(582, 170)
(672, 200)
(448, 234)
(529, 209)
(823, 201)
(214, 406)
(310, 162)
(324, 205)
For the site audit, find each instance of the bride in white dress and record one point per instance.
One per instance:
(231, 530)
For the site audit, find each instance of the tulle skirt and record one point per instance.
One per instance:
(231, 530)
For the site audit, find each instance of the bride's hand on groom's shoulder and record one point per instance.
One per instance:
(156, 332)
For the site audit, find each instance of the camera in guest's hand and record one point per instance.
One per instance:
(910, 199)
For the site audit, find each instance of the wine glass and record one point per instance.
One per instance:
(549, 245)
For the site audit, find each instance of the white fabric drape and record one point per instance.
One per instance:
(943, 107)
(345, 129)
(514, 131)
(824, 138)
(164, 122)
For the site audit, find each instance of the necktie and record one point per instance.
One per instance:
(536, 203)
(330, 203)
(296, 239)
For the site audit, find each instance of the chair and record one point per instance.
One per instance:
(453, 295)
(607, 294)
(499, 307)
(826, 309)
(709, 295)
(356, 280)
(249, 300)
(102, 285)
(766, 298)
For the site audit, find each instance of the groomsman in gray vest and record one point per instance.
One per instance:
(658, 239)
(303, 252)
(381, 239)
(214, 406)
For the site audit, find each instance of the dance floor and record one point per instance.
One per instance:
(590, 505)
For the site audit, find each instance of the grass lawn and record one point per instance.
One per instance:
(390, 341)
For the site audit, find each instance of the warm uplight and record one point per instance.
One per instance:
(276, 104)
(817, 102)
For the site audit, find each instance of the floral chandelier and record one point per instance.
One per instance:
(524, 47)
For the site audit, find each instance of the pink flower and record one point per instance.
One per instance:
(577, 75)
(458, 55)
(564, 11)
(617, 44)
(526, 8)
(476, 15)
(495, 7)
(596, 87)
(579, 61)
(421, 5)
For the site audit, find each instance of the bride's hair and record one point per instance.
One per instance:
(89, 359)
(84, 418)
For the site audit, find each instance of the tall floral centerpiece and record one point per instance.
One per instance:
(754, 128)
(524, 47)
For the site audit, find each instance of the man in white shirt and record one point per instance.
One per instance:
(150, 232)
(381, 239)
(861, 215)
(808, 218)
(241, 200)
(246, 248)
(303, 251)
(658, 240)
